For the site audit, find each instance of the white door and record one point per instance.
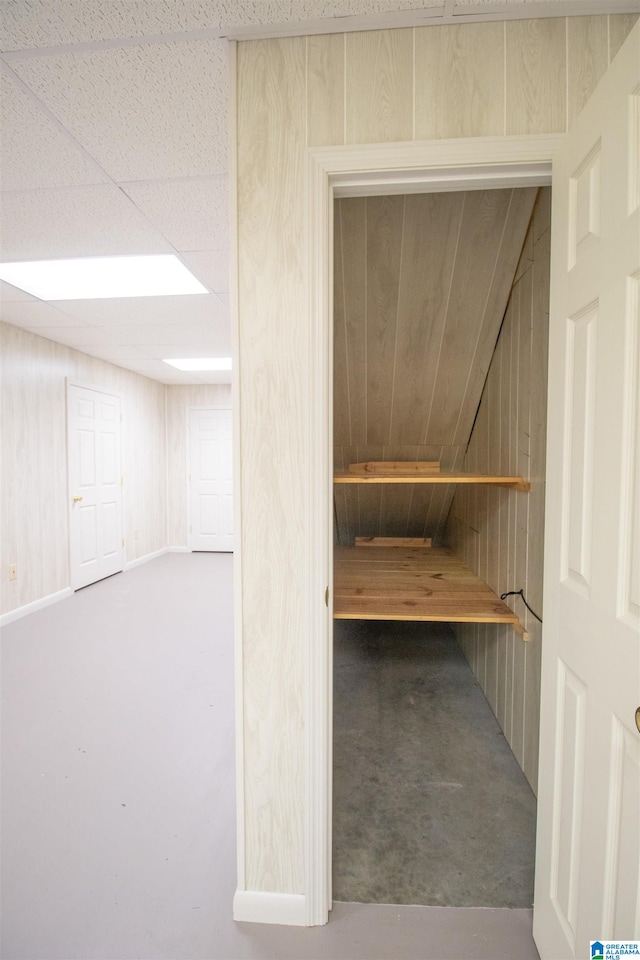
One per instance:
(588, 845)
(95, 491)
(210, 479)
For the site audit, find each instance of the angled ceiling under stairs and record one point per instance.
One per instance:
(421, 284)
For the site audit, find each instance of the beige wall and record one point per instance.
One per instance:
(499, 533)
(34, 524)
(178, 399)
(468, 80)
(34, 460)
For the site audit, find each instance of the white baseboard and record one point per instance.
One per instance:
(255, 906)
(130, 564)
(36, 605)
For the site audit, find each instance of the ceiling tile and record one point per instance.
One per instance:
(191, 214)
(136, 311)
(80, 337)
(75, 222)
(45, 23)
(144, 112)
(218, 345)
(211, 267)
(35, 153)
(11, 294)
(211, 335)
(32, 314)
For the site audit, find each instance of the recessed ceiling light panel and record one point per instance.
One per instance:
(101, 278)
(201, 364)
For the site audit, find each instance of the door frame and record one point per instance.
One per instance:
(364, 170)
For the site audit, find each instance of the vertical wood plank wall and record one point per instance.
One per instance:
(293, 93)
(34, 525)
(421, 284)
(498, 532)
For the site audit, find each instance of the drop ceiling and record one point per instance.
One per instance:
(114, 141)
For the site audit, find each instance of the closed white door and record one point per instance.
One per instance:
(95, 490)
(588, 843)
(210, 480)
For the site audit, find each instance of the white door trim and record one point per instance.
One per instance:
(369, 169)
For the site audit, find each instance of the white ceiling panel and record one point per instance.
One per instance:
(32, 314)
(81, 337)
(211, 267)
(210, 335)
(11, 294)
(46, 23)
(158, 370)
(191, 214)
(75, 222)
(144, 112)
(219, 345)
(136, 311)
(35, 152)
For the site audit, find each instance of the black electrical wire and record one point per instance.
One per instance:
(520, 593)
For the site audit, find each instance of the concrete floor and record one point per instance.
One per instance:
(118, 806)
(430, 805)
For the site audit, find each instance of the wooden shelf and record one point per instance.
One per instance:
(412, 583)
(421, 472)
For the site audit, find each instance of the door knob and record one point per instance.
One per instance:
(638, 718)
(77, 499)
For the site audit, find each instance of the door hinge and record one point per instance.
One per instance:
(326, 597)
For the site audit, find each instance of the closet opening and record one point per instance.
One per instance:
(440, 305)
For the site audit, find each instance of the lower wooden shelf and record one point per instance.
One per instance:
(404, 583)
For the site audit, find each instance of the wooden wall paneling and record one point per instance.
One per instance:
(35, 529)
(421, 515)
(353, 219)
(453, 406)
(429, 241)
(395, 499)
(536, 76)
(620, 26)
(341, 514)
(385, 218)
(459, 81)
(587, 60)
(325, 90)
(508, 257)
(379, 86)
(369, 496)
(272, 118)
(271, 143)
(341, 408)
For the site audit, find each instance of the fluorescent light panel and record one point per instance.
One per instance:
(201, 364)
(102, 278)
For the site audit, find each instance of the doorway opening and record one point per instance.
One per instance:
(440, 345)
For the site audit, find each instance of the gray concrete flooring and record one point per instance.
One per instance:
(118, 806)
(430, 805)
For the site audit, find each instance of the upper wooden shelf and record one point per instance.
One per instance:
(379, 471)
